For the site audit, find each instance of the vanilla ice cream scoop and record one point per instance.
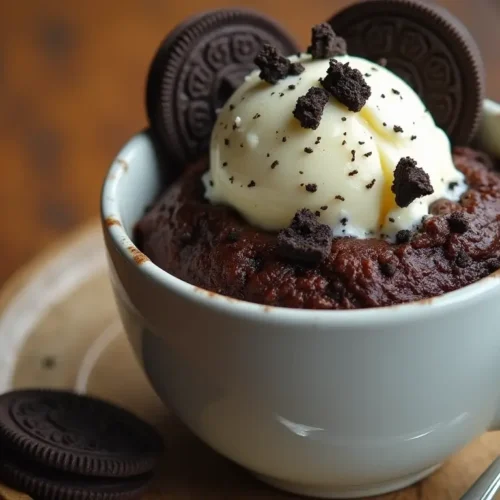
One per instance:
(265, 165)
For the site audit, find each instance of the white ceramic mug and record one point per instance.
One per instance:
(334, 404)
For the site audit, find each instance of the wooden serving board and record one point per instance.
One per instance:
(59, 328)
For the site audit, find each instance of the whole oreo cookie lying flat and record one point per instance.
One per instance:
(66, 443)
(49, 485)
(197, 68)
(428, 48)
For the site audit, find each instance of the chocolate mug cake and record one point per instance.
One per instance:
(339, 178)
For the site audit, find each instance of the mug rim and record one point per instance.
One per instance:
(397, 313)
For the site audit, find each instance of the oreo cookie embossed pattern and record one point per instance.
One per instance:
(428, 48)
(197, 68)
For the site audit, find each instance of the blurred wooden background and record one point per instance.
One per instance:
(71, 92)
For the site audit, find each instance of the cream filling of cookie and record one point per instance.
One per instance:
(266, 166)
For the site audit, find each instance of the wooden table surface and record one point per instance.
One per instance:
(71, 92)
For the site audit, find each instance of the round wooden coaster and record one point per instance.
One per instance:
(59, 329)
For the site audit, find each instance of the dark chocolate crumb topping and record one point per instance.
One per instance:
(397, 92)
(309, 108)
(257, 115)
(306, 240)
(274, 164)
(371, 184)
(226, 141)
(410, 182)
(251, 184)
(308, 150)
(311, 188)
(367, 155)
(296, 69)
(325, 43)
(339, 197)
(413, 137)
(352, 172)
(231, 107)
(398, 129)
(403, 236)
(347, 85)
(462, 260)
(458, 223)
(344, 142)
(291, 87)
(231, 179)
(324, 207)
(353, 155)
(388, 269)
(452, 185)
(273, 66)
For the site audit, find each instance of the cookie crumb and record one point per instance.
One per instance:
(403, 236)
(325, 43)
(273, 66)
(410, 182)
(311, 188)
(306, 240)
(309, 108)
(388, 269)
(347, 85)
(462, 260)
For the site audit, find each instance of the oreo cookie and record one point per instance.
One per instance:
(41, 483)
(63, 443)
(197, 68)
(428, 48)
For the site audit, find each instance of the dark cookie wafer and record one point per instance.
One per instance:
(43, 483)
(77, 434)
(427, 47)
(197, 68)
